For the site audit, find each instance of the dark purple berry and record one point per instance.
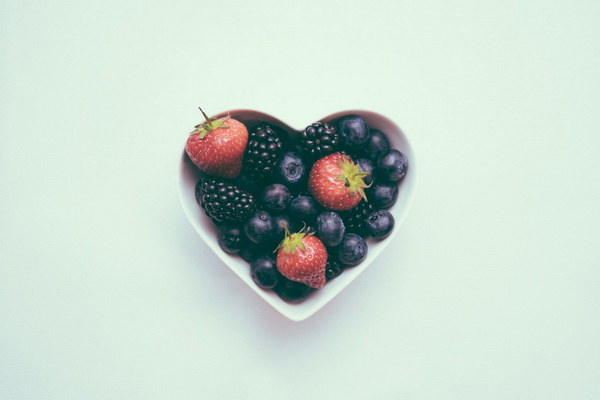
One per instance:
(260, 227)
(392, 166)
(318, 140)
(366, 165)
(377, 145)
(380, 224)
(304, 209)
(263, 271)
(333, 269)
(355, 219)
(231, 238)
(275, 197)
(354, 133)
(292, 170)
(353, 250)
(223, 201)
(291, 291)
(264, 148)
(330, 228)
(383, 195)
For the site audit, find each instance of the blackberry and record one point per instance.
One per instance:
(223, 201)
(319, 139)
(355, 219)
(265, 145)
(333, 269)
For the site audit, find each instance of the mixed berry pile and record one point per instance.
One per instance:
(297, 208)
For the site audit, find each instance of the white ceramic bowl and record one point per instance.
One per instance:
(189, 176)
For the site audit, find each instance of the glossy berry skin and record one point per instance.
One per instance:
(260, 227)
(353, 250)
(367, 166)
(302, 258)
(392, 166)
(336, 182)
(333, 269)
(377, 145)
(318, 140)
(380, 224)
(264, 272)
(354, 133)
(304, 209)
(275, 197)
(330, 228)
(383, 195)
(291, 170)
(217, 147)
(292, 292)
(231, 238)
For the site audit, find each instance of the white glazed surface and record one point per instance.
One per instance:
(188, 176)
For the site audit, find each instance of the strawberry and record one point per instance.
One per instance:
(217, 146)
(336, 182)
(302, 257)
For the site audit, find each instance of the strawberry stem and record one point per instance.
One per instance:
(352, 177)
(209, 125)
(293, 241)
(208, 121)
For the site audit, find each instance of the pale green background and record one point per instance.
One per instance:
(490, 291)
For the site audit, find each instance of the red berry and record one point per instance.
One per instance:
(217, 146)
(302, 258)
(336, 182)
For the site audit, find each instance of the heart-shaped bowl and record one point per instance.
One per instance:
(189, 176)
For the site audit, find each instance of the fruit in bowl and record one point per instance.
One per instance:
(296, 212)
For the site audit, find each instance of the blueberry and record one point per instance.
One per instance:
(353, 250)
(292, 291)
(282, 222)
(380, 224)
(377, 145)
(263, 271)
(275, 197)
(291, 170)
(392, 166)
(304, 209)
(366, 165)
(330, 228)
(383, 195)
(231, 238)
(260, 227)
(354, 132)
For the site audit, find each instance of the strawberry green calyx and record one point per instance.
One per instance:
(209, 125)
(293, 241)
(352, 177)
